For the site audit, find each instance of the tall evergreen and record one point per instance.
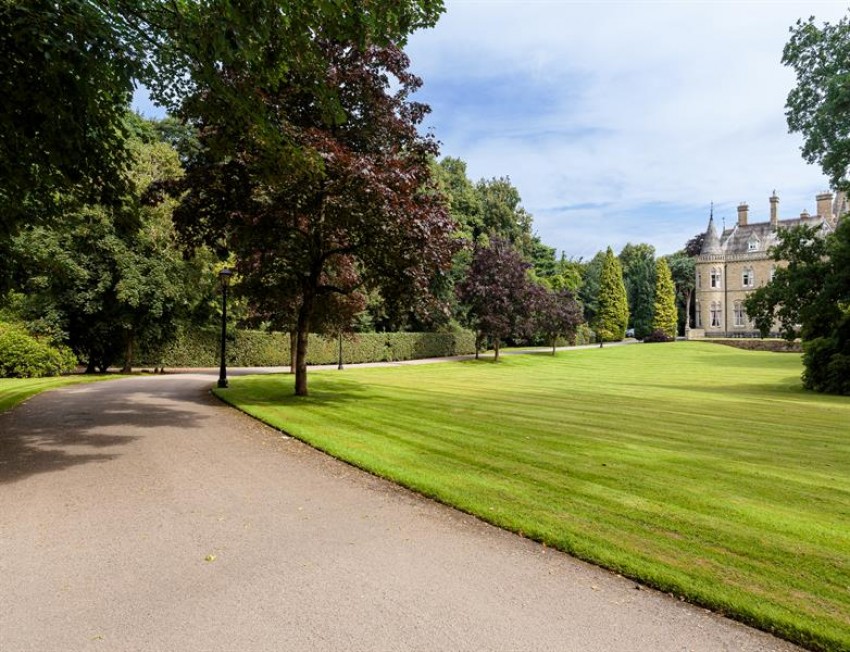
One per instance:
(664, 317)
(612, 314)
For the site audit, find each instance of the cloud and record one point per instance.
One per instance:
(637, 115)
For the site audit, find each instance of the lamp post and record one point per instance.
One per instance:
(223, 276)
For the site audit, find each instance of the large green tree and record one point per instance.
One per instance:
(818, 107)
(809, 297)
(638, 261)
(683, 270)
(612, 316)
(664, 317)
(110, 278)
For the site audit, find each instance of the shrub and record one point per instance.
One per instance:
(24, 356)
(658, 335)
(201, 347)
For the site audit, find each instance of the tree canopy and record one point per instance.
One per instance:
(664, 317)
(818, 107)
(809, 297)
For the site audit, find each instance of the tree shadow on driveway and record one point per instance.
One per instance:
(62, 429)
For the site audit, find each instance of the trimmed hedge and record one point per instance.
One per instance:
(24, 356)
(200, 348)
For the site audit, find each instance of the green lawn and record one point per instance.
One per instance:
(16, 390)
(698, 469)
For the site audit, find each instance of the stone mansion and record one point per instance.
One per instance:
(735, 262)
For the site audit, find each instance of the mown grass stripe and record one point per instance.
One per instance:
(695, 468)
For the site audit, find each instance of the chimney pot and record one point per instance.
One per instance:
(743, 211)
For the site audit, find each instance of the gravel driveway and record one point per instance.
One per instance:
(142, 514)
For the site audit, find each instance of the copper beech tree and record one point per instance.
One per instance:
(347, 203)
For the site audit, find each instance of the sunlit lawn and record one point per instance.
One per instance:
(699, 469)
(16, 390)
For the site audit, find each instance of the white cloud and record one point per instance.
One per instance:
(650, 109)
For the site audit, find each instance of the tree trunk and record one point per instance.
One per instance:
(304, 315)
(91, 367)
(496, 343)
(128, 356)
(554, 342)
(293, 350)
(477, 344)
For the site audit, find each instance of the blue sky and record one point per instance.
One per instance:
(620, 121)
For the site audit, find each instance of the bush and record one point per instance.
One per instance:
(201, 348)
(24, 356)
(827, 366)
(658, 335)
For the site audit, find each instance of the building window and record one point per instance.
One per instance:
(748, 279)
(772, 272)
(753, 244)
(699, 278)
(740, 315)
(698, 307)
(716, 314)
(716, 278)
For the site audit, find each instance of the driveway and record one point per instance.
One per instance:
(142, 514)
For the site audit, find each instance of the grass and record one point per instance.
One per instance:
(17, 390)
(698, 469)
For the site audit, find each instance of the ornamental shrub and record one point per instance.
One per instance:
(24, 356)
(658, 335)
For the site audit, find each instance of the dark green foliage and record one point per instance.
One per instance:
(588, 293)
(638, 263)
(66, 81)
(827, 362)
(812, 292)
(683, 270)
(24, 356)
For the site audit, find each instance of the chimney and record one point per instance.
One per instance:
(824, 204)
(804, 215)
(743, 210)
(774, 209)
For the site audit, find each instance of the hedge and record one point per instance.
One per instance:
(24, 356)
(200, 348)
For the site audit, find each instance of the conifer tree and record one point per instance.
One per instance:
(612, 315)
(664, 317)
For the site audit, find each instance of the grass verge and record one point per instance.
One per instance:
(701, 470)
(17, 390)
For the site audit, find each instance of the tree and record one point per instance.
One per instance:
(556, 314)
(818, 107)
(589, 290)
(612, 315)
(638, 263)
(683, 270)
(497, 294)
(664, 308)
(110, 278)
(354, 210)
(810, 297)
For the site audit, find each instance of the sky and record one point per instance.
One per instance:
(620, 121)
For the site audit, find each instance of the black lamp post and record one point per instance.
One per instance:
(224, 276)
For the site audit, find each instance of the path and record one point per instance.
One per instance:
(143, 515)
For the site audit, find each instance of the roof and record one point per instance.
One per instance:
(737, 239)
